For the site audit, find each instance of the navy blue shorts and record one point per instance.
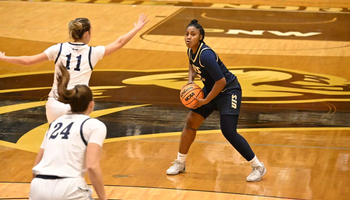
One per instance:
(228, 102)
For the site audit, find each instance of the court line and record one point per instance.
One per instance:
(206, 191)
(274, 145)
(45, 88)
(160, 70)
(178, 189)
(218, 6)
(157, 135)
(256, 49)
(34, 148)
(163, 21)
(160, 23)
(252, 22)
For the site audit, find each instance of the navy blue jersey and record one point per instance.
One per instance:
(207, 64)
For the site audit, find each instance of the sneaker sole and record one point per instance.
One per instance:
(259, 179)
(177, 173)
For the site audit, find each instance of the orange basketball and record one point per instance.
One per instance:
(188, 94)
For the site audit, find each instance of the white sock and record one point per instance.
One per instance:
(255, 162)
(181, 157)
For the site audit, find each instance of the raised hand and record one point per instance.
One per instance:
(141, 23)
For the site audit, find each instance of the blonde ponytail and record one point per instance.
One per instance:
(78, 27)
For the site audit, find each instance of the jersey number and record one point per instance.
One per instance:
(77, 68)
(198, 72)
(65, 132)
(234, 101)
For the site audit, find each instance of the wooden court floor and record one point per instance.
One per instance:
(291, 57)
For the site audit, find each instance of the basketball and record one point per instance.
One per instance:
(188, 94)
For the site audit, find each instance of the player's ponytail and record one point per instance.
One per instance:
(78, 27)
(78, 98)
(195, 23)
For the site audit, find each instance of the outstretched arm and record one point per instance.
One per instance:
(124, 39)
(24, 60)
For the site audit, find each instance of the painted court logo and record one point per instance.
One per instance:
(266, 85)
(138, 91)
(259, 84)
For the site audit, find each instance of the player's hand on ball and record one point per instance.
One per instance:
(187, 84)
(200, 102)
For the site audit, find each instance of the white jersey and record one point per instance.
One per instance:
(65, 145)
(79, 59)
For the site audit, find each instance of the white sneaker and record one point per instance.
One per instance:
(176, 168)
(257, 173)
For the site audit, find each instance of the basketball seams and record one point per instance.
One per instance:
(183, 96)
(194, 91)
(194, 98)
(188, 86)
(200, 93)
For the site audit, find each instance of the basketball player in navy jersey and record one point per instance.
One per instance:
(222, 92)
(71, 146)
(79, 58)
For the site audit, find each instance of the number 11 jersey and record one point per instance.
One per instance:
(79, 59)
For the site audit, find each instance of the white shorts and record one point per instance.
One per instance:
(59, 189)
(55, 109)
